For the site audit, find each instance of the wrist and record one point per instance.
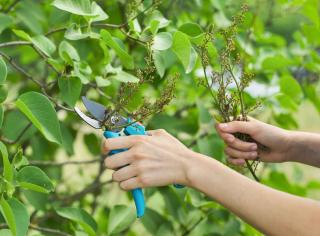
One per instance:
(289, 140)
(194, 165)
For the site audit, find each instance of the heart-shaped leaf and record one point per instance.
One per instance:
(41, 113)
(33, 178)
(162, 41)
(184, 51)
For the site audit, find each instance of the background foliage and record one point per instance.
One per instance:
(53, 181)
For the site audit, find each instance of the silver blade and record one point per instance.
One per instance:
(93, 123)
(97, 110)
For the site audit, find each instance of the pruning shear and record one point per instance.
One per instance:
(101, 114)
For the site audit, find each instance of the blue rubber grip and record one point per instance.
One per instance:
(136, 193)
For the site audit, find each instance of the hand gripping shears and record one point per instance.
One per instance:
(101, 114)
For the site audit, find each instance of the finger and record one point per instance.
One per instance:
(124, 173)
(238, 162)
(118, 160)
(238, 144)
(246, 127)
(130, 184)
(240, 154)
(122, 142)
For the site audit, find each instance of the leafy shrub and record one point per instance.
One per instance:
(127, 55)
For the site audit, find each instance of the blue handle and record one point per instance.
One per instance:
(137, 193)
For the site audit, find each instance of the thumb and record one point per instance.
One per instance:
(246, 127)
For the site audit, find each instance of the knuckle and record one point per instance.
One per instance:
(124, 186)
(105, 146)
(144, 180)
(139, 167)
(136, 154)
(140, 139)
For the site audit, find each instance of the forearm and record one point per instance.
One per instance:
(305, 148)
(271, 211)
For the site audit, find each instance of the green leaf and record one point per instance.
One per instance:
(33, 178)
(125, 77)
(125, 58)
(36, 199)
(154, 26)
(79, 7)
(81, 217)
(92, 143)
(120, 218)
(162, 41)
(184, 51)
(22, 34)
(3, 93)
(191, 29)
(68, 53)
(16, 216)
(30, 14)
(70, 89)
(44, 44)
(102, 82)
(8, 215)
(67, 139)
(160, 62)
(41, 113)
(7, 168)
(157, 16)
(1, 115)
(153, 221)
(83, 71)
(212, 146)
(74, 33)
(83, 8)
(14, 123)
(99, 14)
(291, 87)
(5, 232)
(6, 21)
(3, 71)
(17, 159)
(276, 62)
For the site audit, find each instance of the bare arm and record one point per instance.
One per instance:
(305, 148)
(270, 211)
(161, 159)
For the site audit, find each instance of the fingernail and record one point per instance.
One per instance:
(223, 126)
(254, 147)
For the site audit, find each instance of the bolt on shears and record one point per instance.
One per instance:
(122, 127)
